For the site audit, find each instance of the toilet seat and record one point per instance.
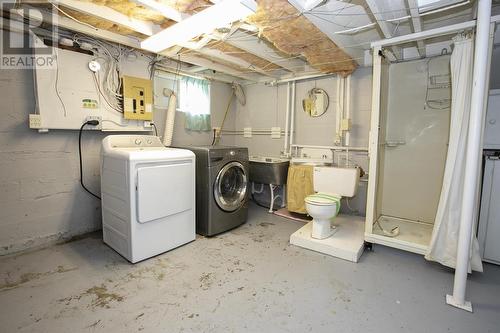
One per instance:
(324, 199)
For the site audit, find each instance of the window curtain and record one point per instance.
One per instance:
(444, 240)
(195, 103)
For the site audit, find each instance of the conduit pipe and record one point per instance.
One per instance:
(473, 155)
(292, 117)
(285, 147)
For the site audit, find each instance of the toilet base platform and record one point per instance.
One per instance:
(346, 243)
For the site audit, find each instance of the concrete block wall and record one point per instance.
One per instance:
(41, 200)
(40, 197)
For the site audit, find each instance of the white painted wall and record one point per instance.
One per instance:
(266, 107)
(41, 200)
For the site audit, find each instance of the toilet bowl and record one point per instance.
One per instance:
(323, 207)
(330, 185)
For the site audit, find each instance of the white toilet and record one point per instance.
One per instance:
(330, 185)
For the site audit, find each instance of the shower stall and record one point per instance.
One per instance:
(408, 156)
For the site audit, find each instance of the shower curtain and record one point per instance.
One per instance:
(443, 245)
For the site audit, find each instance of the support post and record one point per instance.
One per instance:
(292, 116)
(473, 154)
(371, 214)
(287, 122)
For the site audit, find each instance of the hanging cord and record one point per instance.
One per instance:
(155, 129)
(94, 123)
(57, 89)
(217, 138)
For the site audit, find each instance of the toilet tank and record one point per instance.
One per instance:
(342, 181)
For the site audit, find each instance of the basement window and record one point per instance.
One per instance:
(428, 5)
(194, 101)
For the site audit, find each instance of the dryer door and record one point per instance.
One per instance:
(230, 187)
(164, 190)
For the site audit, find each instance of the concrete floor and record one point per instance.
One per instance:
(246, 280)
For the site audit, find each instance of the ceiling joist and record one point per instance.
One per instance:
(168, 12)
(417, 25)
(259, 48)
(149, 29)
(109, 36)
(111, 15)
(216, 54)
(283, 38)
(375, 11)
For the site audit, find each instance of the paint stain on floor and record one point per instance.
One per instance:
(102, 297)
(27, 277)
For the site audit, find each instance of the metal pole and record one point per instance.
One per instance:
(473, 154)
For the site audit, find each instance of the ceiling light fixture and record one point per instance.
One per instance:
(219, 15)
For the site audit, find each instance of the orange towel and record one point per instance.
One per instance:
(299, 186)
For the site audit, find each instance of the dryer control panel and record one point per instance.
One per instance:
(135, 141)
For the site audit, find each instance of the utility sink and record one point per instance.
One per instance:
(268, 170)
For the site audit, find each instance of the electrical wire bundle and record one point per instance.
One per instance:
(109, 57)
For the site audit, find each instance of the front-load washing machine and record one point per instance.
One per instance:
(222, 188)
(148, 196)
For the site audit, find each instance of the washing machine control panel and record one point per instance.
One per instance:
(225, 155)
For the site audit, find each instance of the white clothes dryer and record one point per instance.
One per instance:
(148, 196)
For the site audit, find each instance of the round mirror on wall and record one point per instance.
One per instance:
(316, 103)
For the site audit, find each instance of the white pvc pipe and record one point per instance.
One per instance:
(168, 132)
(287, 115)
(339, 148)
(300, 78)
(340, 109)
(479, 87)
(426, 34)
(347, 108)
(292, 117)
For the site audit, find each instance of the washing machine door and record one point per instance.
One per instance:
(230, 186)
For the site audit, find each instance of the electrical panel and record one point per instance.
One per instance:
(137, 98)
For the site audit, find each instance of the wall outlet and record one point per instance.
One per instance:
(35, 121)
(247, 132)
(98, 126)
(217, 131)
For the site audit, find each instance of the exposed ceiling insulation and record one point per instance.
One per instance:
(293, 34)
(250, 58)
(101, 24)
(131, 9)
(134, 10)
(218, 61)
